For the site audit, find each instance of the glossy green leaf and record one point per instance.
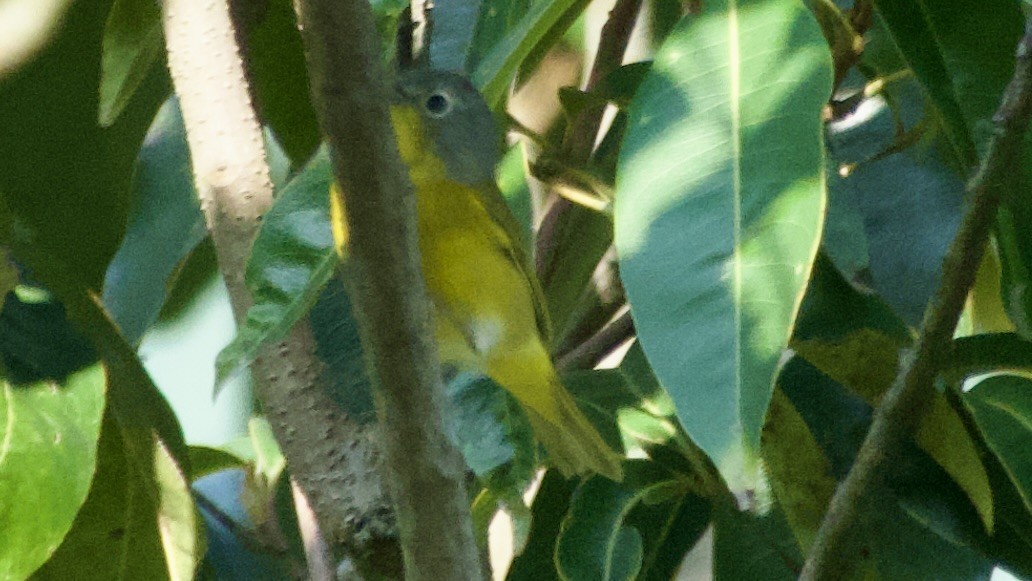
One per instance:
(291, 261)
(139, 520)
(906, 231)
(926, 511)
(720, 197)
(867, 362)
(497, 67)
(133, 44)
(144, 421)
(206, 461)
(48, 454)
(1002, 407)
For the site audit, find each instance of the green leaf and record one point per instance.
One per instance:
(594, 541)
(888, 139)
(165, 225)
(669, 529)
(512, 181)
(987, 353)
(637, 528)
(903, 547)
(269, 460)
(962, 58)
(537, 561)
(279, 75)
(720, 196)
(133, 44)
(581, 238)
(800, 475)
(139, 520)
(755, 547)
(1002, 408)
(291, 261)
(206, 461)
(497, 67)
(49, 431)
(489, 427)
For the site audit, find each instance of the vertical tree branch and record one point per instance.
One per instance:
(834, 550)
(427, 472)
(333, 459)
(226, 146)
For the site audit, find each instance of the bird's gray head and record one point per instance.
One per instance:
(456, 120)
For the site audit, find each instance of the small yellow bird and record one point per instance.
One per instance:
(489, 311)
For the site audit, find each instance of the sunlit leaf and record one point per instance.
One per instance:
(48, 454)
(720, 198)
(139, 520)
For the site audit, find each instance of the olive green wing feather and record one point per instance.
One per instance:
(515, 247)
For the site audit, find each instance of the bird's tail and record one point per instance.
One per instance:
(573, 444)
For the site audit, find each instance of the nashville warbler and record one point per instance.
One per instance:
(488, 307)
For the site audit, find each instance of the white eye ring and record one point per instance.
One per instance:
(438, 104)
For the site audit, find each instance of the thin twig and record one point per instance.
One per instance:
(580, 139)
(427, 472)
(834, 550)
(247, 536)
(590, 352)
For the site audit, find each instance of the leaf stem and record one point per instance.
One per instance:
(580, 140)
(835, 548)
(590, 352)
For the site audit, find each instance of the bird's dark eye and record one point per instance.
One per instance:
(437, 105)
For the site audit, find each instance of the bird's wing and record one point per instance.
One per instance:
(514, 246)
